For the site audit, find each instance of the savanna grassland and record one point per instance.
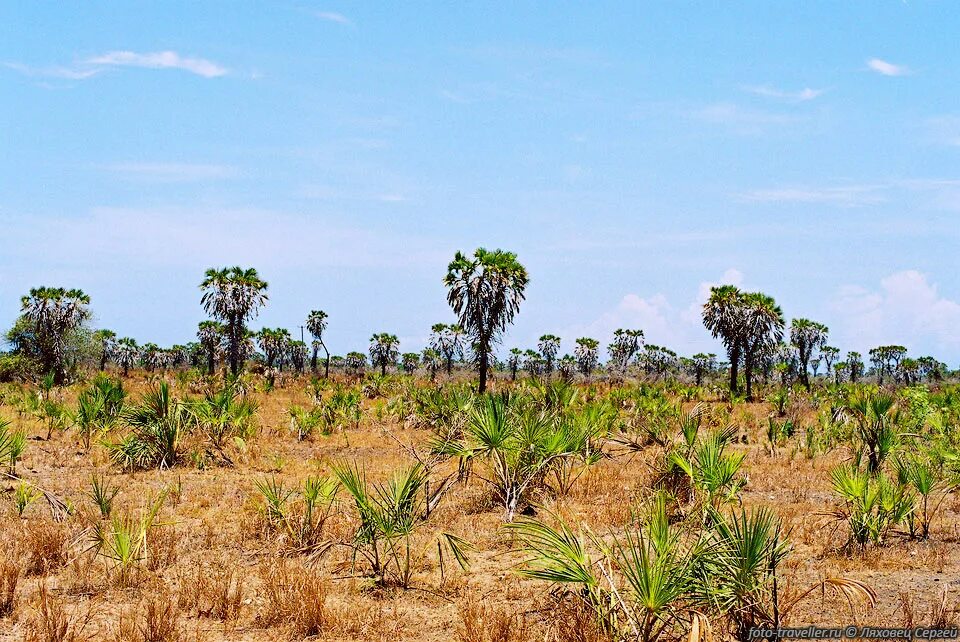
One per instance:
(363, 507)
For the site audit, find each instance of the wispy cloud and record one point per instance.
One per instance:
(66, 73)
(159, 60)
(172, 172)
(90, 67)
(333, 16)
(846, 195)
(767, 91)
(855, 195)
(887, 68)
(743, 119)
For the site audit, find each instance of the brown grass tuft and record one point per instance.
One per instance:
(295, 596)
(44, 546)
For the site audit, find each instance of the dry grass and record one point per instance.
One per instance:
(210, 572)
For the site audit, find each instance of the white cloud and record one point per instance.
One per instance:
(333, 16)
(847, 195)
(91, 67)
(66, 73)
(802, 95)
(663, 323)
(172, 172)
(907, 309)
(158, 60)
(887, 68)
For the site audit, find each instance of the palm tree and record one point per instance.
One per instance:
(549, 346)
(233, 295)
(54, 315)
(513, 362)
(384, 350)
(447, 340)
(625, 345)
(806, 336)
(106, 339)
(126, 354)
(763, 331)
(316, 325)
(485, 293)
(431, 361)
(829, 356)
(274, 343)
(586, 355)
(210, 334)
(410, 361)
(855, 365)
(702, 363)
(297, 354)
(723, 317)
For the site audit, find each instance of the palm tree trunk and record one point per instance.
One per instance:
(211, 365)
(735, 370)
(484, 360)
(313, 359)
(748, 372)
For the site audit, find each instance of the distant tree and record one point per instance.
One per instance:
(316, 326)
(533, 363)
(210, 336)
(297, 355)
(54, 315)
(384, 350)
(701, 364)
(447, 341)
(763, 330)
(234, 296)
(126, 354)
(840, 370)
(549, 346)
(431, 361)
(586, 355)
(513, 362)
(106, 339)
(886, 361)
(624, 347)
(410, 361)
(151, 357)
(829, 354)
(355, 362)
(807, 337)
(854, 366)
(567, 367)
(274, 343)
(723, 316)
(485, 293)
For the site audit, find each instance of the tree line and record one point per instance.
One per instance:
(52, 338)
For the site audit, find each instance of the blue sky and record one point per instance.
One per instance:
(631, 154)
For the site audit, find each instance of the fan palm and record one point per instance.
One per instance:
(586, 355)
(485, 292)
(209, 334)
(384, 350)
(54, 314)
(316, 326)
(234, 296)
(806, 336)
(549, 346)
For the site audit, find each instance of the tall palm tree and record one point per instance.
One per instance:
(513, 362)
(54, 315)
(233, 295)
(854, 365)
(806, 336)
(723, 317)
(316, 326)
(210, 336)
(106, 339)
(485, 292)
(763, 331)
(384, 350)
(829, 355)
(549, 346)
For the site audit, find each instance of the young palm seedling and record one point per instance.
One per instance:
(103, 494)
